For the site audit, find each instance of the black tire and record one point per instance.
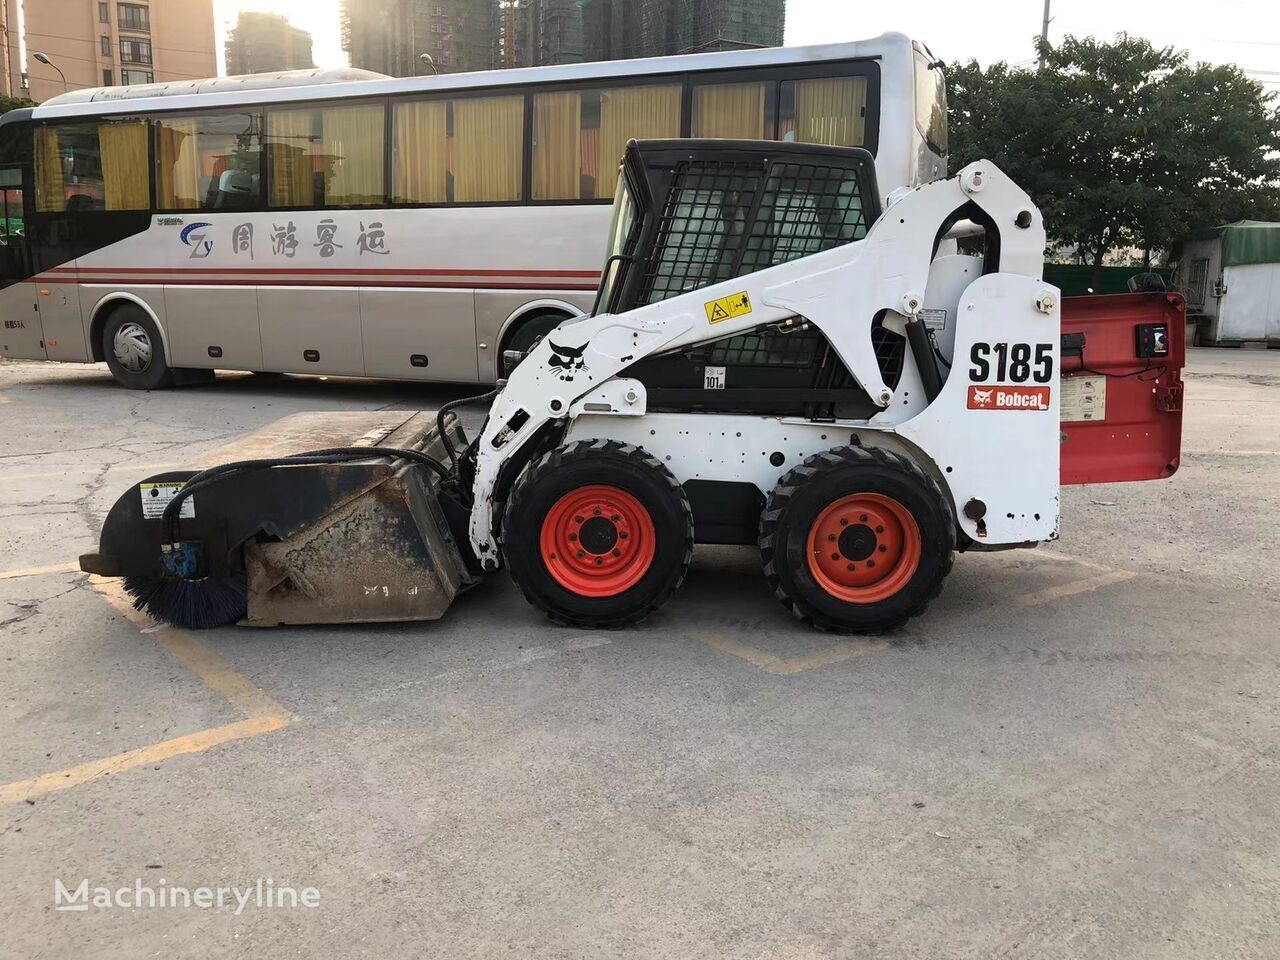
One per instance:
(574, 468)
(805, 495)
(134, 350)
(527, 335)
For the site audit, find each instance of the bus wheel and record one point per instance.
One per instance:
(598, 534)
(527, 336)
(857, 540)
(134, 351)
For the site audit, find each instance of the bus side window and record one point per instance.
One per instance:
(579, 136)
(829, 111)
(326, 157)
(209, 162)
(92, 166)
(735, 111)
(466, 150)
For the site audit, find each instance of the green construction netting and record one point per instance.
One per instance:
(1250, 241)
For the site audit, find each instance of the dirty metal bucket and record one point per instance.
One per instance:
(353, 542)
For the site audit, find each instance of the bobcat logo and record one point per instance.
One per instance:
(567, 360)
(982, 398)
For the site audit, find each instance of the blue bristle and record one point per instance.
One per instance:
(192, 604)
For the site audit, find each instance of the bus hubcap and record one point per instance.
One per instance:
(132, 347)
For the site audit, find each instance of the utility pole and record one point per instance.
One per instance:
(1044, 32)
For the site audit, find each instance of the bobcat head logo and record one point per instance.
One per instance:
(982, 398)
(567, 360)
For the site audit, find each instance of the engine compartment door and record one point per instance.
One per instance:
(1121, 395)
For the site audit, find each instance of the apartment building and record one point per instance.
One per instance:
(391, 36)
(265, 43)
(98, 43)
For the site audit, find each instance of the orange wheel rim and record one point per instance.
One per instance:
(864, 548)
(598, 541)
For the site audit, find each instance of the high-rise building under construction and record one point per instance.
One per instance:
(393, 36)
(619, 29)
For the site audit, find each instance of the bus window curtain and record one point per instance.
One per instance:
(420, 161)
(178, 159)
(640, 113)
(353, 147)
(831, 111)
(123, 151)
(51, 189)
(289, 140)
(557, 146)
(733, 111)
(489, 135)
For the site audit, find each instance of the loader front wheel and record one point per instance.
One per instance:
(598, 534)
(857, 540)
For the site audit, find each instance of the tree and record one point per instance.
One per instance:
(1123, 144)
(13, 103)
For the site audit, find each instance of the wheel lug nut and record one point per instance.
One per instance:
(617, 553)
(597, 511)
(577, 519)
(581, 554)
(844, 522)
(599, 560)
(573, 536)
(851, 566)
(615, 518)
(831, 536)
(623, 535)
(835, 556)
(882, 548)
(880, 529)
(863, 518)
(871, 563)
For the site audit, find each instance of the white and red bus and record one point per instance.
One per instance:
(350, 224)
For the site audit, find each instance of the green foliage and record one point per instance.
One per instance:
(13, 103)
(1123, 144)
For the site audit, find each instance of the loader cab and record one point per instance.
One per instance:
(689, 214)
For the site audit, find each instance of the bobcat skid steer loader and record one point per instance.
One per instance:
(772, 360)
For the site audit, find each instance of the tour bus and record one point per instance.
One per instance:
(346, 223)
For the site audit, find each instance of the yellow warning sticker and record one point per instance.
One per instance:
(726, 308)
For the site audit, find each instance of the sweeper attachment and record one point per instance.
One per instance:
(773, 360)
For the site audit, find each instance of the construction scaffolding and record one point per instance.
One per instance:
(619, 29)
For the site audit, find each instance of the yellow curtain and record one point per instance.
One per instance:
(125, 164)
(178, 159)
(489, 148)
(353, 144)
(830, 111)
(420, 160)
(51, 189)
(635, 113)
(289, 164)
(731, 111)
(557, 146)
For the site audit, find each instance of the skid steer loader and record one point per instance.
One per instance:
(772, 360)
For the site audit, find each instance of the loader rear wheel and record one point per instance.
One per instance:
(598, 534)
(857, 540)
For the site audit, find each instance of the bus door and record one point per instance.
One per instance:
(21, 335)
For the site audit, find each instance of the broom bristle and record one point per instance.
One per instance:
(191, 604)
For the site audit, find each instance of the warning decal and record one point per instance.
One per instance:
(156, 496)
(726, 308)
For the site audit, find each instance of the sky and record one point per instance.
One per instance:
(1245, 32)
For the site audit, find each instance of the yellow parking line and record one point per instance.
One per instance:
(1071, 589)
(217, 674)
(38, 571)
(786, 666)
(263, 714)
(22, 790)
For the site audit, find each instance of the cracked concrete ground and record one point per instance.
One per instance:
(1056, 761)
